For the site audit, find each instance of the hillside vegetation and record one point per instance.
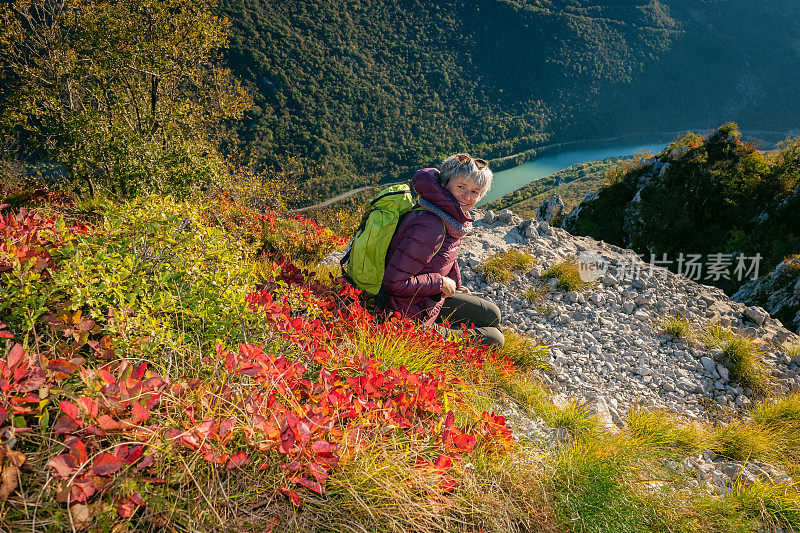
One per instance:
(701, 195)
(159, 373)
(375, 89)
(176, 356)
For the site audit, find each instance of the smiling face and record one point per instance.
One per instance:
(466, 192)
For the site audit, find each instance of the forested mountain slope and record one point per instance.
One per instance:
(373, 88)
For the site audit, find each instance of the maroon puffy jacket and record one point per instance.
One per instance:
(414, 268)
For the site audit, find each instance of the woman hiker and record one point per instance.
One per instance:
(422, 280)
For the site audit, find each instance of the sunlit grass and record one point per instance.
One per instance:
(597, 489)
(742, 356)
(502, 267)
(677, 326)
(524, 351)
(535, 295)
(747, 506)
(568, 275)
(394, 351)
(381, 488)
(666, 431)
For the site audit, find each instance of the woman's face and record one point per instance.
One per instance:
(466, 192)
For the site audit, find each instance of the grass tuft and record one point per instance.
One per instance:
(666, 431)
(568, 275)
(742, 357)
(742, 441)
(757, 505)
(524, 351)
(793, 351)
(535, 295)
(394, 351)
(596, 489)
(677, 326)
(503, 266)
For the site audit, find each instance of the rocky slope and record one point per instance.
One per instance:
(778, 292)
(607, 340)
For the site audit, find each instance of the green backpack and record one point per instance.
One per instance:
(364, 261)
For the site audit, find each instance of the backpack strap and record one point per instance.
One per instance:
(444, 226)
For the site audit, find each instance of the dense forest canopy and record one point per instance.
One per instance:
(372, 89)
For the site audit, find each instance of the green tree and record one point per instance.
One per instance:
(127, 95)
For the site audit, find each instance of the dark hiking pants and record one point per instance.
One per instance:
(478, 314)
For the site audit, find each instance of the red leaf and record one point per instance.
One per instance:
(82, 490)
(106, 464)
(230, 361)
(318, 472)
(62, 365)
(463, 442)
(215, 457)
(6, 334)
(226, 427)
(138, 372)
(316, 486)
(64, 426)
(293, 496)
(207, 428)
(237, 460)
(71, 410)
(321, 446)
(147, 461)
(129, 454)
(65, 465)
(107, 377)
(78, 450)
(15, 355)
(449, 420)
(89, 405)
(443, 462)
(85, 324)
(303, 432)
(140, 413)
(126, 507)
(108, 424)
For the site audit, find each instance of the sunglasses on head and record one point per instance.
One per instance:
(464, 159)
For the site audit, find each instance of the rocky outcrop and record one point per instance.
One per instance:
(550, 208)
(607, 340)
(778, 293)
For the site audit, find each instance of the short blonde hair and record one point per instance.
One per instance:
(453, 167)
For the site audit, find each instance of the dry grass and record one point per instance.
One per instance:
(382, 489)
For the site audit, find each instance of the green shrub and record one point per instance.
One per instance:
(502, 267)
(157, 262)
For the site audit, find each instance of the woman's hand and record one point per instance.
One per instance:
(464, 289)
(448, 287)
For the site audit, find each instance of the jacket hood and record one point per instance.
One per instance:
(426, 184)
